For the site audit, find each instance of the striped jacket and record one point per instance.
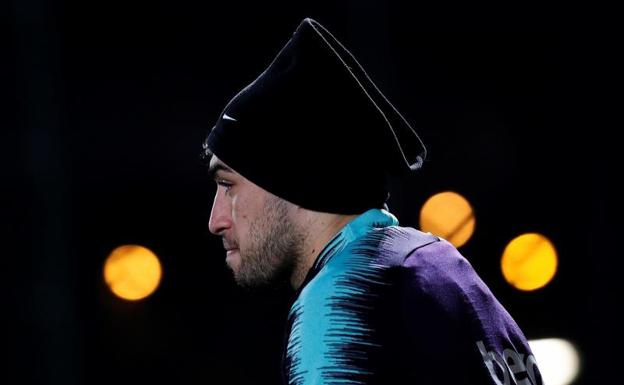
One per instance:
(385, 304)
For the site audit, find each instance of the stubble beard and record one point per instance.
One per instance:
(275, 248)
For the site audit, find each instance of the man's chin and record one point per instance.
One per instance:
(256, 283)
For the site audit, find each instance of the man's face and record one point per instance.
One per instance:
(262, 241)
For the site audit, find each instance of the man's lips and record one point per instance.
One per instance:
(229, 246)
(231, 256)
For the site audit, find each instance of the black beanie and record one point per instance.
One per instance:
(314, 129)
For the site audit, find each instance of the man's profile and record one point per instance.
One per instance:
(301, 158)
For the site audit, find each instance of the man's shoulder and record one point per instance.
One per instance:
(428, 263)
(400, 244)
(409, 239)
(393, 255)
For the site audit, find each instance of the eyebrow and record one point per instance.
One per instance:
(212, 170)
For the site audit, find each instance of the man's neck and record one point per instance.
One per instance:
(321, 228)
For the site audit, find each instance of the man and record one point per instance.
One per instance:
(301, 157)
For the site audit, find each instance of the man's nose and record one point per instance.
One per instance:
(220, 216)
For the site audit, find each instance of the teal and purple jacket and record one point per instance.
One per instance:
(385, 304)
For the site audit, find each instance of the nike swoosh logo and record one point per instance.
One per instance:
(228, 117)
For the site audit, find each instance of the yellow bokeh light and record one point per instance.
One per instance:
(450, 216)
(132, 272)
(529, 262)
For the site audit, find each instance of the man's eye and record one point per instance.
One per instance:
(226, 185)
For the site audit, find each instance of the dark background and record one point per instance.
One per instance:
(104, 108)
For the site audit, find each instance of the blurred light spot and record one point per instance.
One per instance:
(557, 359)
(529, 262)
(448, 215)
(132, 272)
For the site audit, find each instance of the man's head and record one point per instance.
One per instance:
(260, 232)
(312, 141)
